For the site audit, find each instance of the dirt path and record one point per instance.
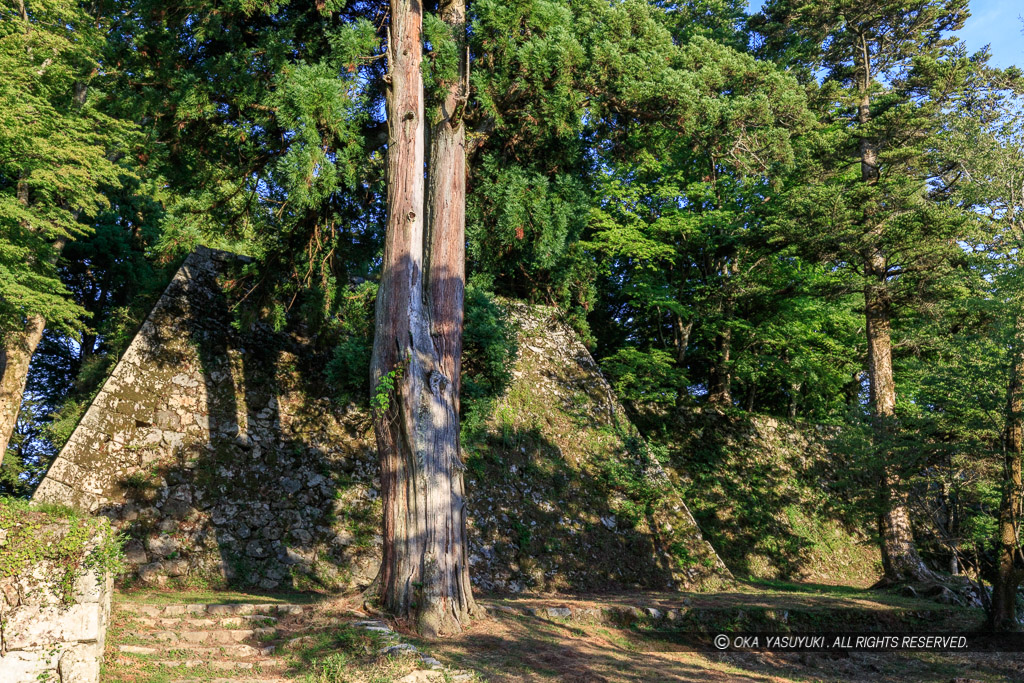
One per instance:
(511, 648)
(616, 638)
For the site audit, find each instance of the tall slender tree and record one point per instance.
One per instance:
(991, 153)
(888, 69)
(56, 160)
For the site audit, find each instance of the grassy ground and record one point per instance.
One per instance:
(150, 596)
(511, 647)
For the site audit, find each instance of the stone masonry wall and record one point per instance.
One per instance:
(215, 451)
(208, 447)
(44, 639)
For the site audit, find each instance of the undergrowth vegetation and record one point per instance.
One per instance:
(68, 542)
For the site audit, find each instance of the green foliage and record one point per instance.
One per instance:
(58, 536)
(387, 385)
(631, 476)
(489, 347)
(349, 368)
(56, 152)
(650, 378)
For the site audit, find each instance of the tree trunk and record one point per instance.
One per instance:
(15, 357)
(1003, 615)
(682, 337)
(720, 384)
(794, 399)
(899, 554)
(424, 572)
(900, 560)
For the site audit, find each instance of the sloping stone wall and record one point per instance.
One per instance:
(214, 449)
(563, 493)
(45, 638)
(208, 448)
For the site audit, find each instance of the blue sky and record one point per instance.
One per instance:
(993, 22)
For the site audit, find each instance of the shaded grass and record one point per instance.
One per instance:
(150, 596)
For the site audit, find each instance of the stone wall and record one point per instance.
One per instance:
(45, 635)
(212, 449)
(563, 494)
(216, 450)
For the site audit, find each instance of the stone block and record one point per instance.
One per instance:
(161, 546)
(152, 573)
(35, 626)
(81, 663)
(135, 552)
(90, 587)
(26, 666)
(176, 567)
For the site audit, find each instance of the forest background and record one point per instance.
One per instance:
(811, 211)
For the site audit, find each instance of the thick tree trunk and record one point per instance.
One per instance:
(899, 554)
(1009, 568)
(424, 573)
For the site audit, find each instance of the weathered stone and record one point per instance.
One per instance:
(31, 665)
(81, 664)
(45, 639)
(256, 550)
(161, 546)
(135, 552)
(151, 573)
(177, 567)
(34, 626)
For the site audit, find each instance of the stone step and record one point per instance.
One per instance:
(212, 609)
(236, 650)
(234, 680)
(262, 666)
(220, 636)
(197, 623)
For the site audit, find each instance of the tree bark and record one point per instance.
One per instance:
(682, 337)
(15, 357)
(424, 572)
(720, 384)
(900, 560)
(1003, 614)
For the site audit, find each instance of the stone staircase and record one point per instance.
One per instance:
(199, 642)
(246, 642)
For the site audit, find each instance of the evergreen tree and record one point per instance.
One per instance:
(57, 152)
(990, 146)
(889, 69)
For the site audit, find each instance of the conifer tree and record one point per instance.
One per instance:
(418, 336)
(56, 161)
(889, 68)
